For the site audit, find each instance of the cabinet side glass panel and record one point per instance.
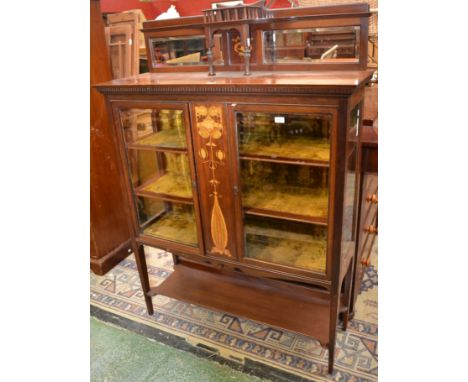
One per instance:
(284, 171)
(160, 173)
(348, 240)
(312, 45)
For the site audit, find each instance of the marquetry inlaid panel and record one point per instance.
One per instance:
(214, 182)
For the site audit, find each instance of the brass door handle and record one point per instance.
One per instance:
(372, 198)
(371, 229)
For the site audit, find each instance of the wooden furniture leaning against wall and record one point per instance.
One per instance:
(133, 19)
(110, 231)
(119, 43)
(251, 182)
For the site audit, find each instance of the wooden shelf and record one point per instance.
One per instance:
(172, 150)
(318, 61)
(171, 139)
(286, 216)
(168, 187)
(283, 160)
(294, 150)
(276, 303)
(288, 202)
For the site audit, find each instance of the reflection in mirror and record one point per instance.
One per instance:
(184, 51)
(312, 45)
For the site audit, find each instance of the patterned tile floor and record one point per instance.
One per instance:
(238, 339)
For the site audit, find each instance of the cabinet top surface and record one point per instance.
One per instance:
(332, 79)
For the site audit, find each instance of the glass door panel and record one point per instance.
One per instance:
(167, 220)
(285, 188)
(160, 173)
(303, 137)
(286, 242)
(284, 175)
(154, 128)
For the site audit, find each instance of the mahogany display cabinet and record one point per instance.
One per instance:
(250, 178)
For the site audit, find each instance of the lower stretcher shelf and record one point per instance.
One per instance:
(288, 306)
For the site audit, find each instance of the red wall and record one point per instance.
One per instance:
(156, 7)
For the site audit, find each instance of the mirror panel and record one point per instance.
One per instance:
(184, 51)
(311, 45)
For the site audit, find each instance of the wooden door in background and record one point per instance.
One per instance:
(119, 43)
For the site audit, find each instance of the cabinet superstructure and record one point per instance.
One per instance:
(252, 183)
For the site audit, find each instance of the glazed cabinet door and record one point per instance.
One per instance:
(157, 153)
(284, 171)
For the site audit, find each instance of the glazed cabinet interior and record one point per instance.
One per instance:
(244, 184)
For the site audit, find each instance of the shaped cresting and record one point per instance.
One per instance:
(235, 17)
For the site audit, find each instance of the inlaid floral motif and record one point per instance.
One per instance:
(210, 127)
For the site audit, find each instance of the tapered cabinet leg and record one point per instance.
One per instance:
(334, 309)
(140, 258)
(345, 320)
(348, 280)
(331, 356)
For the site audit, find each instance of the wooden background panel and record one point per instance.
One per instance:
(110, 231)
